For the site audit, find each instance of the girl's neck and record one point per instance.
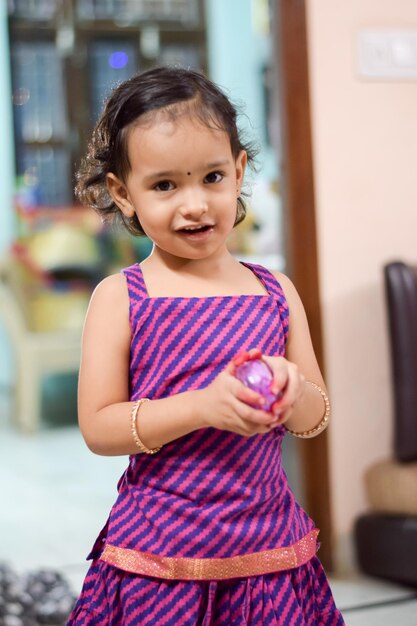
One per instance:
(205, 268)
(222, 275)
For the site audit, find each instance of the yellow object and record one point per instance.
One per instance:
(36, 353)
(241, 239)
(63, 245)
(51, 310)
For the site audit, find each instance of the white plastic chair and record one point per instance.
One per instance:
(36, 353)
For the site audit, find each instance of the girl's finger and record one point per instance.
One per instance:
(283, 416)
(252, 427)
(246, 394)
(253, 415)
(242, 357)
(254, 353)
(250, 397)
(280, 369)
(291, 392)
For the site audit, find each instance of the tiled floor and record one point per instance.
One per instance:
(58, 494)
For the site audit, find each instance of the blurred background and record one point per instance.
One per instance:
(329, 92)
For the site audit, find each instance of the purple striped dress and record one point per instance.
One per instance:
(207, 531)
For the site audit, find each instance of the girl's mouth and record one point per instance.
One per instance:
(197, 232)
(193, 229)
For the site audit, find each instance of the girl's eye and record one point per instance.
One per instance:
(164, 185)
(214, 177)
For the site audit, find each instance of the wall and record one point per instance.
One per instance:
(6, 173)
(238, 47)
(365, 151)
(6, 134)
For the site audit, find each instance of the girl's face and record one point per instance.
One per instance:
(183, 186)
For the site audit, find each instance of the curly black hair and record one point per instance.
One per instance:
(173, 91)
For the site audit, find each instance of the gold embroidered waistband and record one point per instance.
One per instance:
(183, 568)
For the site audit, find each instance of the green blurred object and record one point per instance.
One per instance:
(59, 400)
(142, 247)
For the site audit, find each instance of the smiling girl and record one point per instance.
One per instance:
(205, 529)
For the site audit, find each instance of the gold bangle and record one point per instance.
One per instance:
(134, 429)
(307, 434)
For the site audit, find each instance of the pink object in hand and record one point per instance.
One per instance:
(257, 375)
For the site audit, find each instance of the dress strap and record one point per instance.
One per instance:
(274, 288)
(135, 282)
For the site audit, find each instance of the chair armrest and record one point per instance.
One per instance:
(11, 313)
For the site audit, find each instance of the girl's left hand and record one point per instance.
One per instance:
(288, 381)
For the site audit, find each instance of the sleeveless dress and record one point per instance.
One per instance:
(207, 531)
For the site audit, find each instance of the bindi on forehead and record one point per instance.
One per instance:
(188, 173)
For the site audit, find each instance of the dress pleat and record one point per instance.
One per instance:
(296, 597)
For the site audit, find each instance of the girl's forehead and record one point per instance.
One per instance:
(162, 122)
(165, 145)
(185, 131)
(194, 109)
(186, 113)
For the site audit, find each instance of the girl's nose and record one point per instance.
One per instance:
(194, 203)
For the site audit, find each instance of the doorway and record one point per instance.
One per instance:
(290, 36)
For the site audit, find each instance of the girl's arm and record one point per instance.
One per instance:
(103, 394)
(303, 405)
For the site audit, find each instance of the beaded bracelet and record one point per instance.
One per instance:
(307, 434)
(134, 429)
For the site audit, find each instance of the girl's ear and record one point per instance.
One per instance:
(120, 194)
(241, 162)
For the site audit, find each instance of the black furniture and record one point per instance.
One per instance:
(386, 537)
(401, 291)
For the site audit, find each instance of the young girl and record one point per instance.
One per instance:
(205, 529)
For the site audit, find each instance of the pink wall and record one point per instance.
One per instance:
(365, 154)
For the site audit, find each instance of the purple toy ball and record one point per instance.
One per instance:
(257, 375)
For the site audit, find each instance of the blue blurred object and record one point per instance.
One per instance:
(118, 59)
(59, 399)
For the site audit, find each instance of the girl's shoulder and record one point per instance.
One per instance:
(294, 302)
(108, 312)
(110, 295)
(284, 282)
(125, 285)
(112, 285)
(282, 285)
(275, 282)
(288, 288)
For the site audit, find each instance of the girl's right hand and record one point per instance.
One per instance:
(224, 404)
